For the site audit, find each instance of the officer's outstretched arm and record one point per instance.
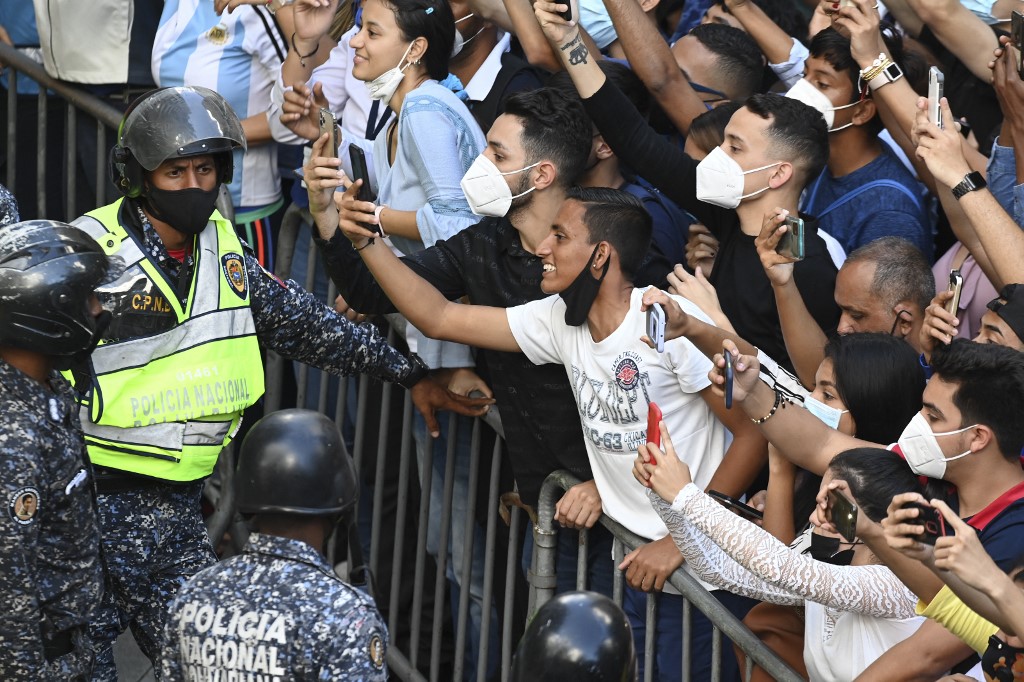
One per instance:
(428, 310)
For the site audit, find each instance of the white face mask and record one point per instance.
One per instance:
(383, 86)
(826, 413)
(461, 42)
(486, 190)
(921, 449)
(804, 91)
(720, 179)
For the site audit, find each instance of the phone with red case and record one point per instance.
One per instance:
(654, 427)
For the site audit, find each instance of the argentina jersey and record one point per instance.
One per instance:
(238, 55)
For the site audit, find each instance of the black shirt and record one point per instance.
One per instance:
(744, 291)
(488, 264)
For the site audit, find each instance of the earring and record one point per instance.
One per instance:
(417, 62)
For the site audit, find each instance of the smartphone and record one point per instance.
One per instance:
(842, 512)
(932, 520)
(656, 326)
(329, 125)
(956, 284)
(744, 510)
(359, 172)
(936, 85)
(654, 426)
(729, 376)
(567, 14)
(1017, 38)
(792, 243)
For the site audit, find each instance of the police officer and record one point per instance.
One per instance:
(278, 610)
(50, 573)
(166, 389)
(580, 636)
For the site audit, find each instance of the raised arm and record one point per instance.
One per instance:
(651, 59)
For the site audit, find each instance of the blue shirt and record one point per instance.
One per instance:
(876, 212)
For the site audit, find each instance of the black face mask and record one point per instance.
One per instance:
(1000, 660)
(826, 549)
(580, 295)
(186, 210)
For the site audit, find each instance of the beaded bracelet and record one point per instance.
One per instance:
(779, 400)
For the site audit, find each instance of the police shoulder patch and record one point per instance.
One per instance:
(234, 272)
(376, 650)
(24, 505)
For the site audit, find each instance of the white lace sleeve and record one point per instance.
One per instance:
(870, 590)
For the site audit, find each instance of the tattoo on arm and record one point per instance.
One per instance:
(579, 52)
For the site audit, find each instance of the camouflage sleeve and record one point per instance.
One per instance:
(21, 641)
(352, 647)
(292, 322)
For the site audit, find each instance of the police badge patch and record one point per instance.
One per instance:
(376, 650)
(23, 505)
(234, 271)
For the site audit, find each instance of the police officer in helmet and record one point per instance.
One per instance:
(50, 571)
(297, 481)
(168, 384)
(580, 636)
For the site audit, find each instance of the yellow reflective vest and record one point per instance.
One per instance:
(166, 398)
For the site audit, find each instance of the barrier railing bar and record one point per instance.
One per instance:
(687, 585)
(489, 560)
(101, 162)
(465, 578)
(515, 520)
(618, 580)
(401, 667)
(426, 476)
(41, 106)
(441, 578)
(12, 124)
(650, 623)
(403, 503)
(383, 432)
(582, 555)
(716, 654)
(687, 648)
(70, 154)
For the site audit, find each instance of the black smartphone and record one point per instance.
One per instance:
(791, 244)
(729, 376)
(656, 326)
(567, 14)
(357, 157)
(931, 518)
(956, 285)
(329, 125)
(842, 512)
(740, 508)
(1017, 38)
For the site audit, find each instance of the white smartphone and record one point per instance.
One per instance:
(656, 326)
(936, 84)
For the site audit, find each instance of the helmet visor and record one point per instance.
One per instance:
(176, 122)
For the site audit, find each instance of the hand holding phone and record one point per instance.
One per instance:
(744, 510)
(931, 518)
(936, 86)
(656, 326)
(729, 378)
(791, 244)
(360, 172)
(654, 427)
(956, 284)
(842, 513)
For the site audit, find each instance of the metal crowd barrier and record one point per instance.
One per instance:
(376, 430)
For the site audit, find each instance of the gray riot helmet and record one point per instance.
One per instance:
(295, 462)
(580, 636)
(48, 273)
(174, 123)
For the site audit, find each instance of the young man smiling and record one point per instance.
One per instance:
(593, 327)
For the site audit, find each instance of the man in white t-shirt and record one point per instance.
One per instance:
(593, 326)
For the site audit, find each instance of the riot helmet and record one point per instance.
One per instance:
(174, 123)
(576, 636)
(295, 462)
(48, 273)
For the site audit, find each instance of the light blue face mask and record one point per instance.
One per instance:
(829, 415)
(983, 10)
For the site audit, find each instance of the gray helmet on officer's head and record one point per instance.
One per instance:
(48, 273)
(174, 123)
(295, 462)
(576, 636)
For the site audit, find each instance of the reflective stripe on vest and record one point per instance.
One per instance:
(164, 405)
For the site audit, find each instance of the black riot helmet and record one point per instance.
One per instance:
(579, 636)
(174, 123)
(48, 273)
(294, 462)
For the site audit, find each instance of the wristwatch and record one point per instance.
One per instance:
(418, 371)
(971, 182)
(889, 74)
(274, 5)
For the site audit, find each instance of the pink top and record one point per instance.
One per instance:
(975, 295)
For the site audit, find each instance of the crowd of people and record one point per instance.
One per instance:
(789, 229)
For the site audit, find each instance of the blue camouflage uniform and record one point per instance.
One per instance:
(50, 570)
(275, 612)
(154, 537)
